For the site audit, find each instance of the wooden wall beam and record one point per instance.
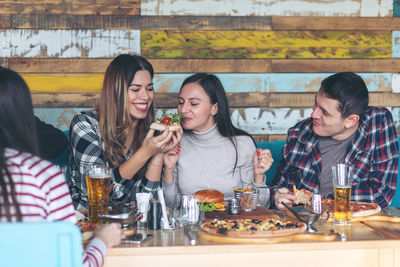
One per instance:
(5, 21)
(99, 65)
(81, 65)
(236, 100)
(120, 19)
(335, 23)
(63, 21)
(121, 7)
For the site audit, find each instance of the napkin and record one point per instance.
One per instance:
(143, 204)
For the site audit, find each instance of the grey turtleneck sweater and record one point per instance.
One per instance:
(207, 160)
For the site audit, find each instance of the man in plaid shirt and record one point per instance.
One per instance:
(342, 129)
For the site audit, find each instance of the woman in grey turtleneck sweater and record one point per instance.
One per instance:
(213, 153)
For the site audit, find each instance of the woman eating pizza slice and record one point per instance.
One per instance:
(213, 153)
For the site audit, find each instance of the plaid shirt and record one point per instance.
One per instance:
(374, 152)
(87, 148)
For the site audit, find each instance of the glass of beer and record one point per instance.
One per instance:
(342, 181)
(98, 181)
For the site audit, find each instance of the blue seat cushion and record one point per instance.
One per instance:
(396, 197)
(276, 150)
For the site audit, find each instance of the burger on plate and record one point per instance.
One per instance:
(213, 199)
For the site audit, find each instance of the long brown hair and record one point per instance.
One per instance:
(17, 130)
(114, 118)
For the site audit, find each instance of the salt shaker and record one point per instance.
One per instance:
(233, 206)
(155, 215)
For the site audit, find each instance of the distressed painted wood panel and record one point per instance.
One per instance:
(99, 65)
(335, 23)
(339, 8)
(253, 120)
(232, 82)
(236, 100)
(64, 83)
(266, 44)
(335, 65)
(198, 23)
(58, 21)
(68, 43)
(396, 44)
(256, 121)
(282, 82)
(120, 7)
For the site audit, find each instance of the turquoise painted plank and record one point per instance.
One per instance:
(58, 117)
(253, 120)
(396, 8)
(282, 82)
(340, 8)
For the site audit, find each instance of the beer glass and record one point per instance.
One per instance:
(342, 181)
(98, 181)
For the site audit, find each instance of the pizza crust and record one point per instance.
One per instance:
(209, 228)
(158, 126)
(358, 209)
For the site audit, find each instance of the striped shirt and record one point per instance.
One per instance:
(43, 195)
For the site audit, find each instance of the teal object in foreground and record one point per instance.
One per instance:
(276, 150)
(45, 244)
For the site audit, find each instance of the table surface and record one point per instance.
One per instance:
(368, 243)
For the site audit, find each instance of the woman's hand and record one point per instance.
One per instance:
(283, 195)
(111, 235)
(172, 144)
(156, 144)
(262, 162)
(171, 157)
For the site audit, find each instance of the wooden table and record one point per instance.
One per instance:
(368, 244)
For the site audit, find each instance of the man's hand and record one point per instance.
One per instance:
(283, 195)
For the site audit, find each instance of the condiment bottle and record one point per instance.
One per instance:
(233, 206)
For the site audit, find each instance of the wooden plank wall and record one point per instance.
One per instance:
(270, 55)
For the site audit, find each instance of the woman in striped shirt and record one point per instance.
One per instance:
(33, 189)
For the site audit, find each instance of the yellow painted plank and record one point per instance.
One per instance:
(266, 44)
(64, 83)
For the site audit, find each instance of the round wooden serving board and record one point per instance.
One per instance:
(266, 240)
(259, 213)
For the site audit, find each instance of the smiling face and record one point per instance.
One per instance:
(198, 111)
(328, 121)
(140, 94)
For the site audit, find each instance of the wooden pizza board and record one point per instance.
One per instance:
(266, 240)
(259, 213)
(372, 218)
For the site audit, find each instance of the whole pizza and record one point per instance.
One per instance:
(252, 228)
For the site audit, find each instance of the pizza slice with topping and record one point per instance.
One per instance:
(173, 120)
(303, 196)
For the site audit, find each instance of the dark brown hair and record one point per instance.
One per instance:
(17, 131)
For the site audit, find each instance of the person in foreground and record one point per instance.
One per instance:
(117, 134)
(32, 189)
(342, 129)
(213, 154)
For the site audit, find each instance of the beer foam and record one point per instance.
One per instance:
(99, 175)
